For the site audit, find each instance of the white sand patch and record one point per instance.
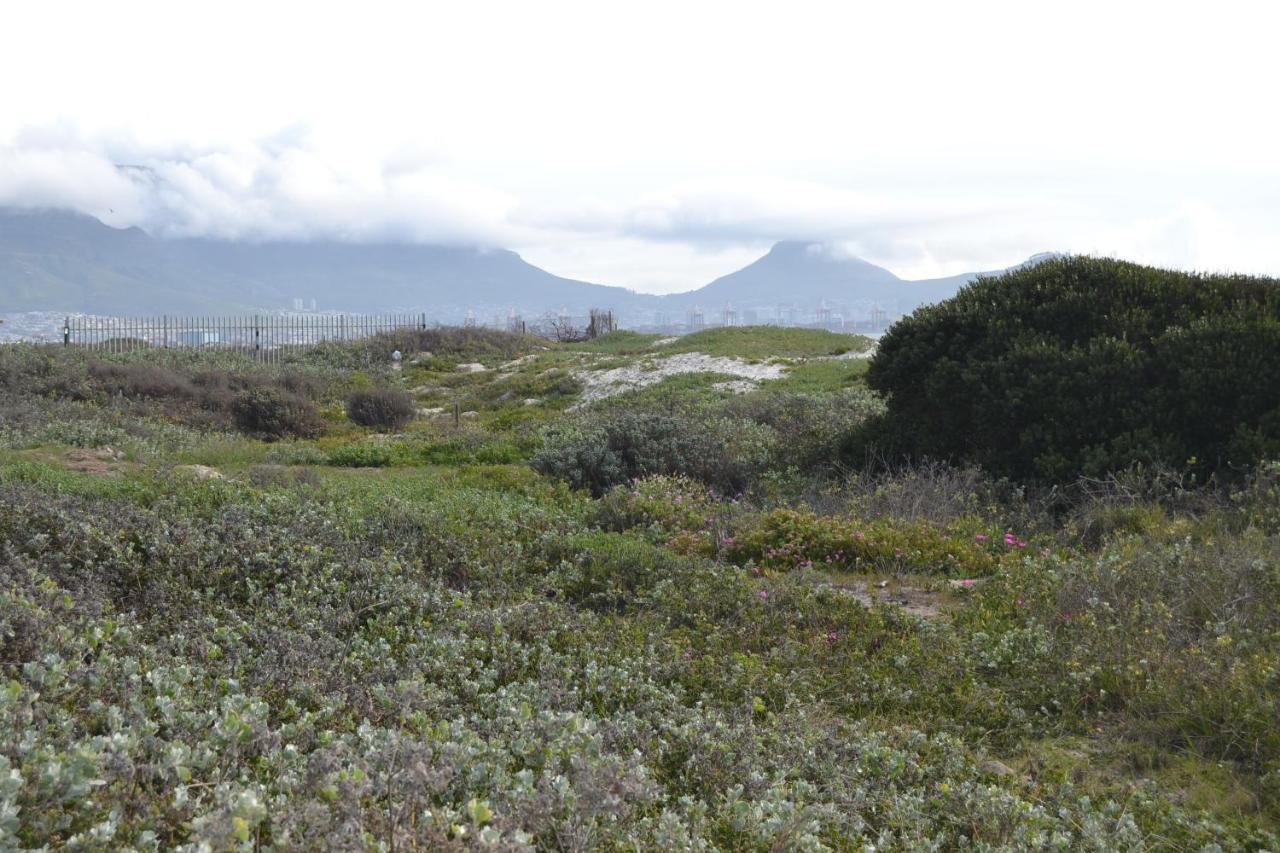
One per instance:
(601, 384)
(662, 342)
(737, 386)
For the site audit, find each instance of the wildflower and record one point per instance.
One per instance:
(1019, 602)
(981, 537)
(764, 593)
(967, 582)
(833, 636)
(1009, 538)
(1066, 617)
(1022, 543)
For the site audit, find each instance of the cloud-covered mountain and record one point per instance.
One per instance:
(61, 261)
(804, 274)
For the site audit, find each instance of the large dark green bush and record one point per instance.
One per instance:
(388, 408)
(1086, 365)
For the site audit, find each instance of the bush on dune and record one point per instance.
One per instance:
(1084, 366)
(272, 414)
(388, 408)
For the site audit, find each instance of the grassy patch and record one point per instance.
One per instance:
(819, 377)
(618, 343)
(762, 342)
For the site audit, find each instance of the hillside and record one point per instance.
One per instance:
(53, 260)
(806, 274)
(59, 261)
(623, 595)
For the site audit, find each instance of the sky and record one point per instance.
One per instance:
(659, 145)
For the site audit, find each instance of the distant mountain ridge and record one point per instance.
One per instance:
(62, 261)
(54, 260)
(807, 273)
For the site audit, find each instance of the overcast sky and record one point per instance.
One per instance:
(658, 145)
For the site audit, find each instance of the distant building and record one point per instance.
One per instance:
(197, 337)
(824, 314)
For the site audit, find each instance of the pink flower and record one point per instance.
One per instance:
(1009, 539)
(764, 593)
(967, 582)
(1019, 602)
(833, 636)
(981, 537)
(1022, 543)
(1066, 617)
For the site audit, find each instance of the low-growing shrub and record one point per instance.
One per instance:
(363, 454)
(1182, 636)
(272, 414)
(810, 429)
(135, 380)
(661, 504)
(384, 408)
(787, 539)
(607, 451)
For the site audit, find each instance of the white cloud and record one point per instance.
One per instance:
(274, 189)
(658, 148)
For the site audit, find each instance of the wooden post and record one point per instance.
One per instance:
(66, 332)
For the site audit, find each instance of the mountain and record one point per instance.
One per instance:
(60, 261)
(807, 274)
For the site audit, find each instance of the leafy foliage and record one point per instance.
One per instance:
(1084, 366)
(616, 449)
(271, 414)
(417, 641)
(387, 408)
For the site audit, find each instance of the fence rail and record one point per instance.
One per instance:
(265, 337)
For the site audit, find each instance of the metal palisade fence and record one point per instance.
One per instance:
(265, 337)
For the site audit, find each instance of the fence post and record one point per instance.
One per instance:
(66, 332)
(257, 340)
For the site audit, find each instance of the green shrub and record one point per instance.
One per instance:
(661, 504)
(272, 414)
(364, 454)
(1084, 366)
(605, 451)
(1183, 637)
(385, 408)
(809, 430)
(788, 539)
